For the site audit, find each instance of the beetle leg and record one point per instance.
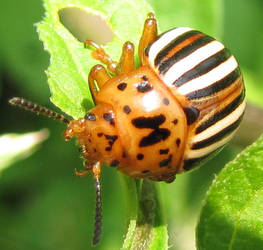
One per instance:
(149, 35)
(99, 74)
(100, 54)
(95, 169)
(126, 63)
(84, 172)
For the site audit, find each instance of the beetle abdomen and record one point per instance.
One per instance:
(205, 78)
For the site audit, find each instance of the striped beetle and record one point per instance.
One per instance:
(181, 105)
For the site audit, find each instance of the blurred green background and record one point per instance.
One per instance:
(42, 204)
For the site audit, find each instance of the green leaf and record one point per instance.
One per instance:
(14, 147)
(232, 216)
(70, 62)
(22, 57)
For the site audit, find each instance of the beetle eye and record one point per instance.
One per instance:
(90, 117)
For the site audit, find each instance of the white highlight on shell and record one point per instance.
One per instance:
(151, 101)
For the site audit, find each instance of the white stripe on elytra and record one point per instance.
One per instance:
(163, 41)
(189, 62)
(209, 78)
(221, 124)
(196, 153)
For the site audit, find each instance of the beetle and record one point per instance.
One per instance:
(180, 106)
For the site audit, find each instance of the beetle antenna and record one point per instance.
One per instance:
(35, 108)
(98, 213)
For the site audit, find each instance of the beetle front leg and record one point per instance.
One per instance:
(126, 63)
(149, 35)
(99, 75)
(100, 54)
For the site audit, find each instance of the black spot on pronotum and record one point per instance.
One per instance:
(144, 86)
(90, 117)
(124, 155)
(108, 148)
(146, 171)
(148, 122)
(175, 121)
(111, 139)
(159, 134)
(140, 156)
(109, 118)
(114, 163)
(178, 142)
(192, 114)
(164, 151)
(145, 78)
(126, 109)
(100, 134)
(166, 162)
(122, 86)
(166, 101)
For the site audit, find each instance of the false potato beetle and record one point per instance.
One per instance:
(181, 105)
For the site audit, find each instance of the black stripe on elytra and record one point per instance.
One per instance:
(163, 53)
(192, 114)
(146, 51)
(184, 52)
(221, 114)
(203, 67)
(159, 134)
(148, 122)
(216, 86)
(217, 137)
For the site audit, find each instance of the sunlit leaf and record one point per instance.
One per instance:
(232, 216)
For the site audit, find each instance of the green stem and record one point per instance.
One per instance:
(146, 226)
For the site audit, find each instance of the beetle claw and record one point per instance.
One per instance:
(81, 173)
